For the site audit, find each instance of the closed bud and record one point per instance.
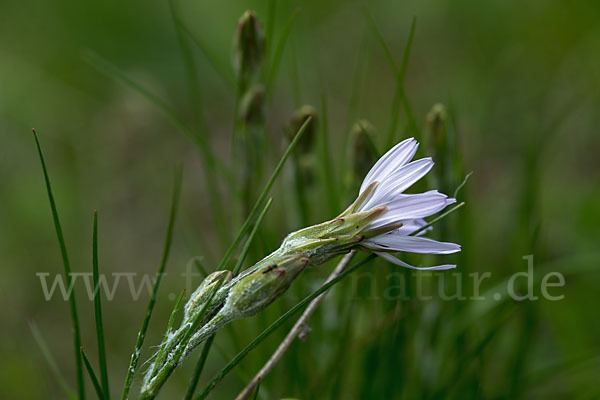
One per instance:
(204, 291)
(252, 105)
(248, 47)
(436, 127)
(298, 118)
(362, 153)
(260, 288)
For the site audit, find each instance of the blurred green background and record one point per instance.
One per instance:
(520, 81)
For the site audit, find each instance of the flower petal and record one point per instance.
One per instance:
(411, 225)
(396, 157)
(398, 181)
(394, 260)
(413, 244)
(411, 206)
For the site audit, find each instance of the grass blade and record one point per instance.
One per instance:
(399, 72)
(199, 367)
(262, 196)
(135, 356)
(210, 163)
(244, 252)
(98, 311)
(169, 327)
(92, 375)
(67, 271)
(39, 339)
(279, 51)
(264, 334)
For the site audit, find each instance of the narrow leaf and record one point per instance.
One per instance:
(67, 272)
(135, 356)
(244, 252)
(92, 375)
(98, 312)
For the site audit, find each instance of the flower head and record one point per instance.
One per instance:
(383, 188)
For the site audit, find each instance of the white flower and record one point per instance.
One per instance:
(385, 184)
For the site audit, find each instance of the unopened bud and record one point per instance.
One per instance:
(260, 288)
(362, 153)
(248, 47)
(252, 105)
(204, 291)
(298, 119)
(436, 126)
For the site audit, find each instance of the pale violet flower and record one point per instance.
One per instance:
(383, 187)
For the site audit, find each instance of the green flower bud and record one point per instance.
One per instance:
(260, 288)
(362, 153)
(436, 127)
(203, 292)
(298, 118)
(248, 47)
(252, 105)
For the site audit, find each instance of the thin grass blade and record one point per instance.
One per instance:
(242, 257)
(253, 214)
(98, 311)
(135, 356)
(67, 272)
(92, 375)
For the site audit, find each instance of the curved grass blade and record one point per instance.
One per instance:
(67, 272)
(255, 209)
(264, 334)
(135, 356)
(279, 51)
(39, 339)
(244, 252)
(93, 377)
(98, 311)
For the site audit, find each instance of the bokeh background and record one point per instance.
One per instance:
(520, 82)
